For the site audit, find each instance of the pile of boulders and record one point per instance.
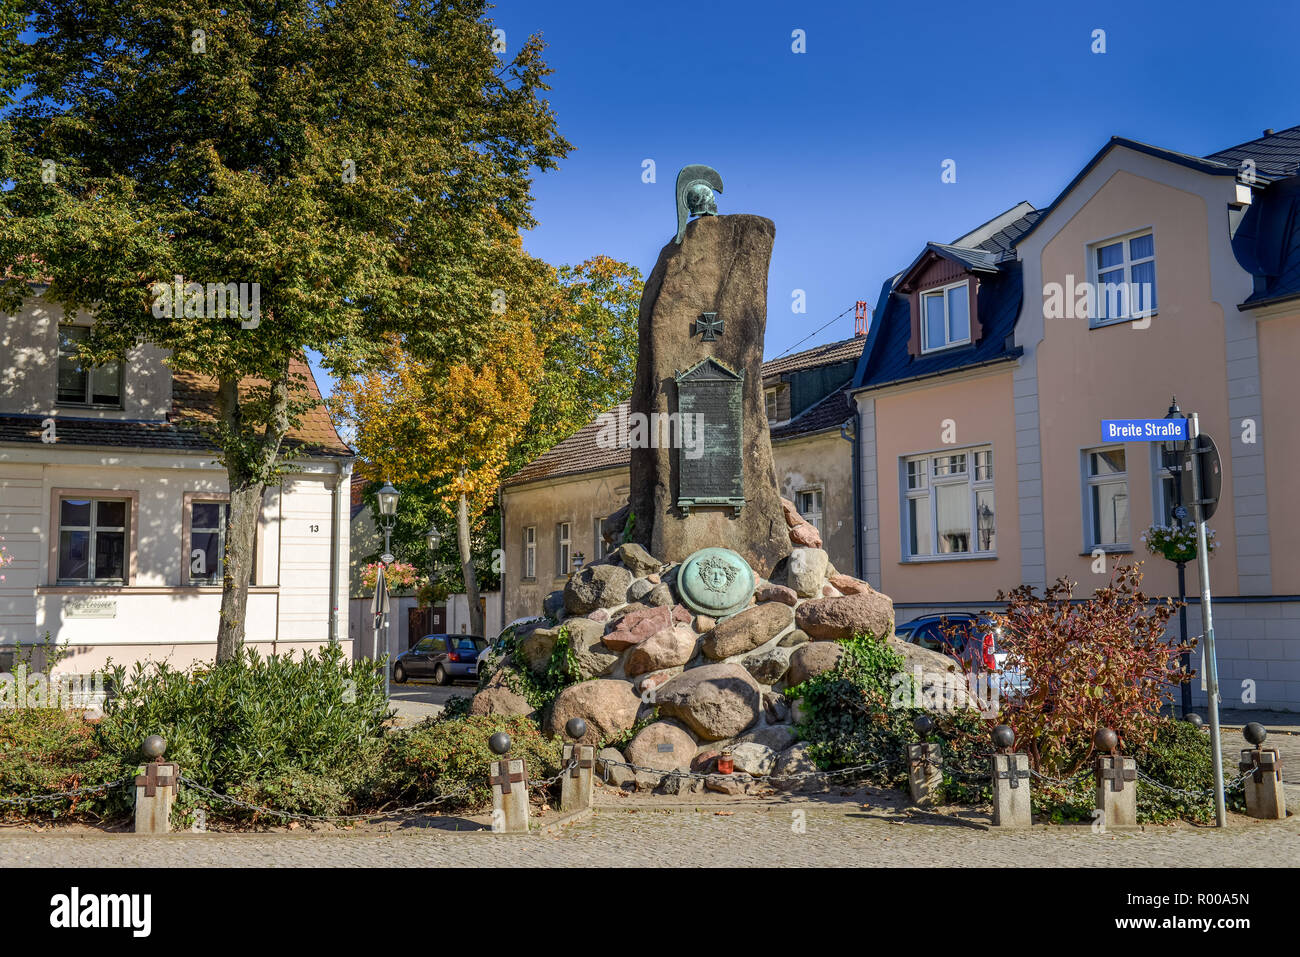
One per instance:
(718, 686)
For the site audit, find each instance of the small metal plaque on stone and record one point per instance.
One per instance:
(666, 747)
(710, 406)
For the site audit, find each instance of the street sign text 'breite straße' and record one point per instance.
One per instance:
(1143, 430)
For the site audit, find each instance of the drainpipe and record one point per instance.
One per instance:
(849, 433)
(344, 473)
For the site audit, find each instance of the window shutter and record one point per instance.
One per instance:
(914, 307)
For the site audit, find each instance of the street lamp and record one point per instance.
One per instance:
(388, 497)
(578, 561)
(1173, 452)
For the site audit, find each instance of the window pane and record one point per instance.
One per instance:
(205, 556)
(1111, 255)
(1110, 462)
(1110, 513)
(916, 474)
(1144, 287)
(110, 514)
(918, 521)
(1111, 297)
(1142, 246)
(110, 555)
(953, 506)
(72, 381)
(206, 515)
(985, 521)
(107, 384)
(934, 322)
(958, 314)
(74, 554)
(74, 511)
(983, 466)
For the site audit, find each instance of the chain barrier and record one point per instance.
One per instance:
(546, 783)
(1062, 782)
(1194, 795)
(320, 818)
(699, 776)
(72, 793)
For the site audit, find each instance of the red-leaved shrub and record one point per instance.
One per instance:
(1100, 662)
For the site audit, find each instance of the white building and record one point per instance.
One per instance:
(111, 507)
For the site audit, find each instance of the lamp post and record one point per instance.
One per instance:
(433, 538)
(388, 497)
(578, 561)
(1173, 456)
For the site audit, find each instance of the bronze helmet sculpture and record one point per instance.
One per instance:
(696, 186)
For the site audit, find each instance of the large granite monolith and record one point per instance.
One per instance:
(719, 269)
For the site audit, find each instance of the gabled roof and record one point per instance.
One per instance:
(580, 453)
(886, 357)
(846, 350)
(194, 405)
(1276, 154)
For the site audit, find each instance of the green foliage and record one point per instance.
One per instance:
(441, 756)
(43, 750)
(457, 706)
(268, 730)
(540, 690)
(848, 716)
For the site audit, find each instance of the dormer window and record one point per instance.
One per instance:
(770, 401)
(945, 317)
(86, 385)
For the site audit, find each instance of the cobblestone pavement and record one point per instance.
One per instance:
(835, 833)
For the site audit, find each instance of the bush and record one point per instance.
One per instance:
(43, 750)
(446, 755)
(300, 734)
(1103, 662)
(538, 690)
(851, 721)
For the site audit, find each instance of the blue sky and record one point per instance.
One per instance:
(842, 146)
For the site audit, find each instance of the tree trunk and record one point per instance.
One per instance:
(250, 461)
(476, 624)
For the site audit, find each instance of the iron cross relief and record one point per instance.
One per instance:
(153, 779)
(1116, 773)
(709, 326)
(505, 776)
(581, 757)
(1013, 774)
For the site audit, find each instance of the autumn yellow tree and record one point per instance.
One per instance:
(559, 350)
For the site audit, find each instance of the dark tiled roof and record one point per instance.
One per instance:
(972, 257)
(829, 413)
(579, 452)
(843, 351)
(886, 357)
(1276, 155)
(194, 405)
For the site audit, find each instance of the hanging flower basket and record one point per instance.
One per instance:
(1176, 542)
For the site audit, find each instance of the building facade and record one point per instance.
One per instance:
(995, 358)
(112, 508)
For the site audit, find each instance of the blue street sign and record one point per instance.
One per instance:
(1143, 430)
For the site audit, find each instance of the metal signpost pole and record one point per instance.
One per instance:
(1207, 619)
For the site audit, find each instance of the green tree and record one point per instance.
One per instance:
(365, 165)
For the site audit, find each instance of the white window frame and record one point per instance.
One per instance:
(529, 571)
(563, 549)
(925, 492)
(1125, 266)
(1110, 478)
(821, 506)
(598, 546)
(970, 319)
(771, 403)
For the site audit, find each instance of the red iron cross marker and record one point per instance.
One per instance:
(504, 776)
(152, 778)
